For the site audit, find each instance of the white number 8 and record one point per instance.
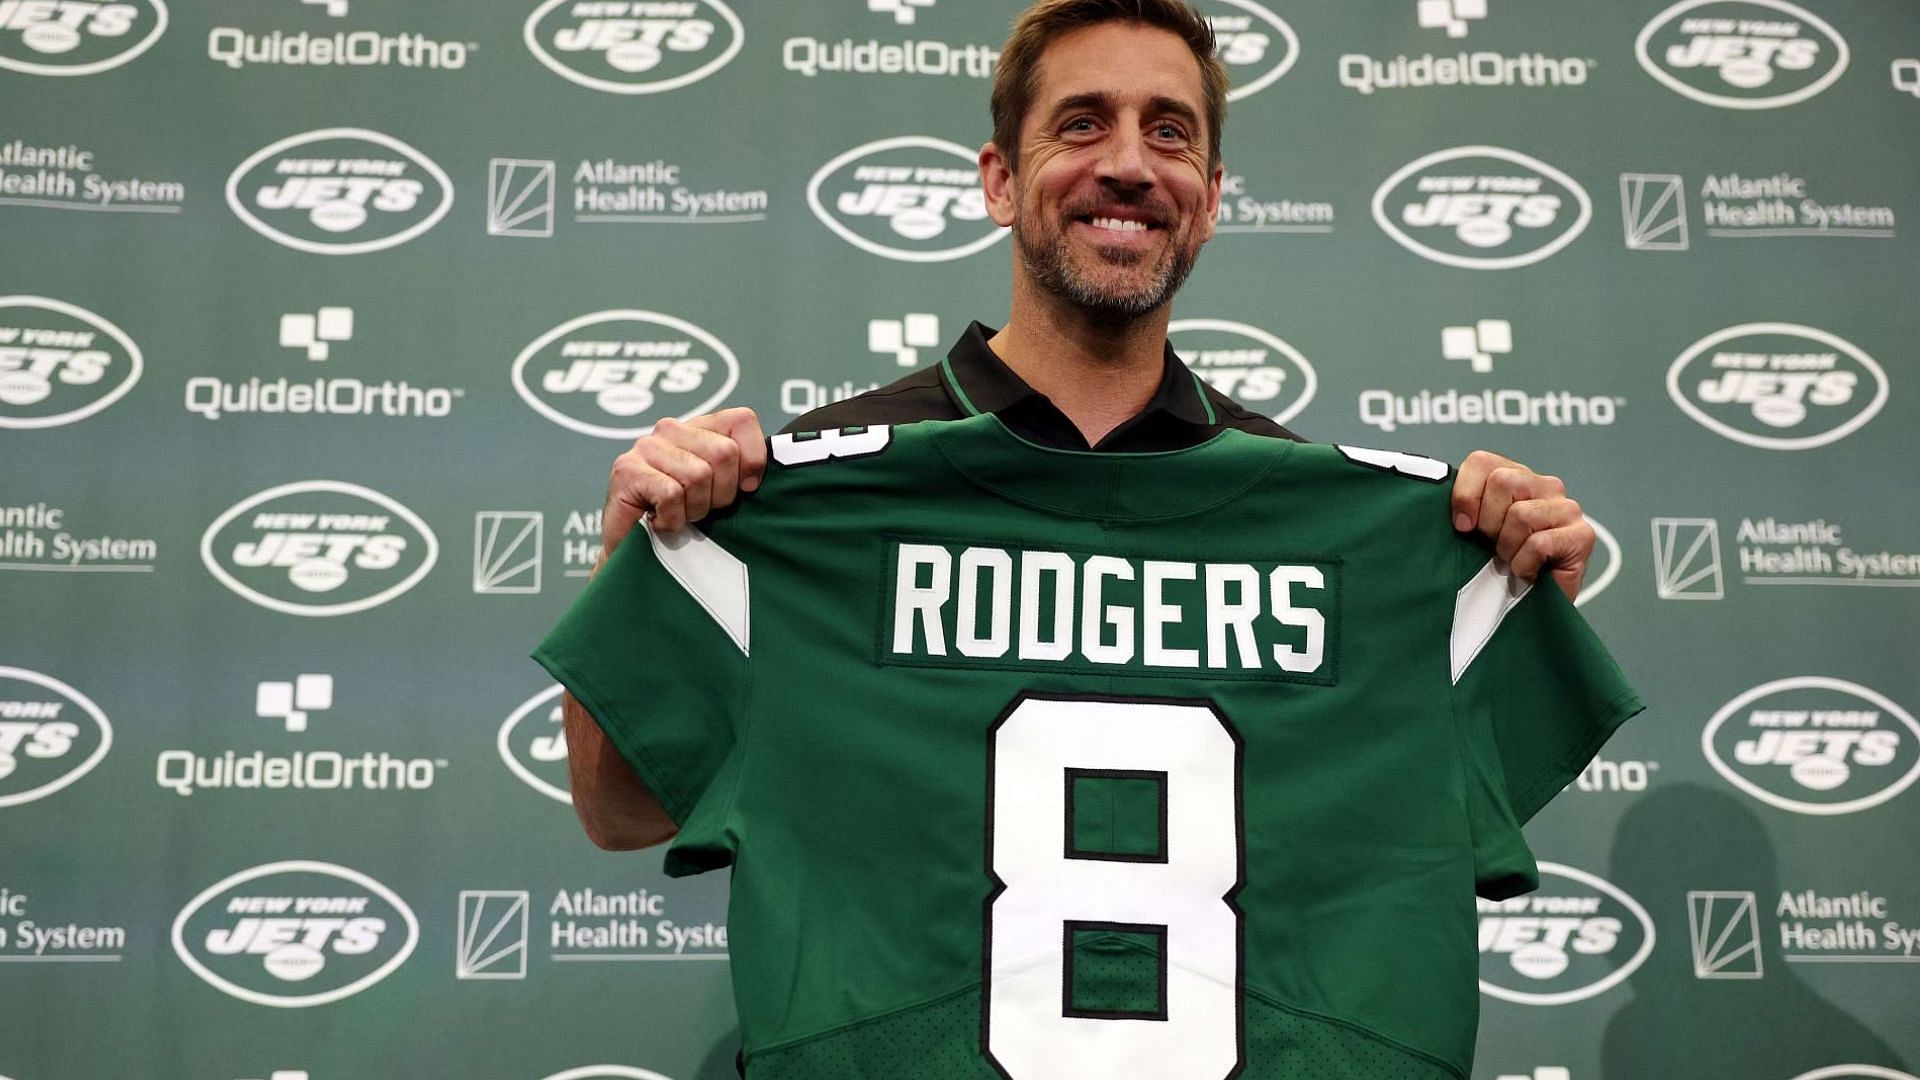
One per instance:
(1031, 1030)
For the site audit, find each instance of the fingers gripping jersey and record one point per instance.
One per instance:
(1038, 764)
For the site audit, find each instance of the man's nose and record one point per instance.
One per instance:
(1125, 160)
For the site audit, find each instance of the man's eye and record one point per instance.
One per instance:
(1170, 131)
(1080, 123)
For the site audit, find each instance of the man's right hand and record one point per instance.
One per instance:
(683, 471)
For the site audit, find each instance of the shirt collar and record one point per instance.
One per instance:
(978, 381)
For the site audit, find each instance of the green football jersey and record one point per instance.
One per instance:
(1043, 764)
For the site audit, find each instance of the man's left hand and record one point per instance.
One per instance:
(1528, 517)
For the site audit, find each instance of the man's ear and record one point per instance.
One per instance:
(1213, 201)
(996, 181)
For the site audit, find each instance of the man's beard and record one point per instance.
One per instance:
(1050, 262)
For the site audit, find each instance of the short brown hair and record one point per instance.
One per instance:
(1037, 27)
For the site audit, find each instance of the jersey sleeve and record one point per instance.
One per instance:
(655, 649)
(1536, 695)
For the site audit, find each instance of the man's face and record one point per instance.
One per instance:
(1113, 196)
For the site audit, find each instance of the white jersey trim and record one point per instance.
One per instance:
(710, 574)
(1478, 609)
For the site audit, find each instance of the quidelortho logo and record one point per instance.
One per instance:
(1814, 745)
(65, 177)
(60, 363)
(318, 41)
(905, 342)
(335, 767)
(1471, 350)
(1780, 386)
(1481, 208)
(613, 373)
(319, 548)
(339, 191)
(50, 735)
(634, 46)
(912, 197)
(295, 934)
(315, 334)
(1487, 66)
(1577, 937)
(533, 743)
(908, 57)
(1742, 54)
(1257, 46)
(1246, 363)
(76, 37)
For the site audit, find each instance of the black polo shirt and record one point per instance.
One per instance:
(1184, 411)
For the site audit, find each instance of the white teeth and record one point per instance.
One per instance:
(1119, 225)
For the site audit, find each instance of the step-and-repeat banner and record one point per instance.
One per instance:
(322, 320)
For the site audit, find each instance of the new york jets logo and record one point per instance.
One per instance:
(912, 198)
(60, 363)
(1246, 363)
(1481, 208)
(76, 37)
(533, 743)
(1814, 745)
(1742, 54)
(295, 934)
(50, 735)
(339, 191)
(614, 373)
(633, 46)
(1577, 937)
(1780, 386)
(319, 548)
(1256, 46)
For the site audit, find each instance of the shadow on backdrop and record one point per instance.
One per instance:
(722, 1062)
(1678, 1027)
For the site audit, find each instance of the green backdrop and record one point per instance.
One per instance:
(321, 321)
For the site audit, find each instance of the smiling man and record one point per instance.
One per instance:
(1322, 721)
